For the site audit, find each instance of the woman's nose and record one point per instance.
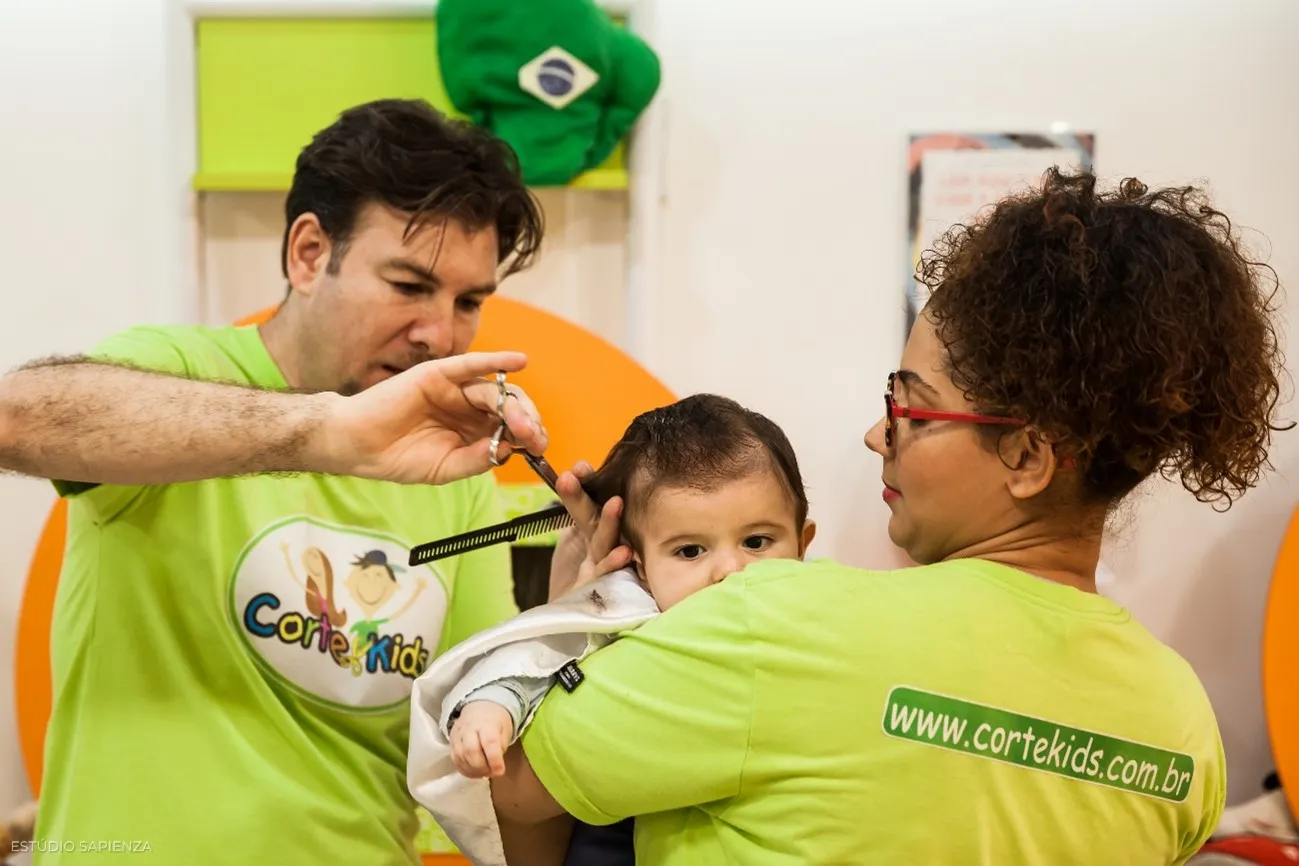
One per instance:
(874, 438)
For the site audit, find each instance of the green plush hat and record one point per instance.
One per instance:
(556, 79)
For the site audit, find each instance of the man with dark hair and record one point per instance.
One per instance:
(211, 703)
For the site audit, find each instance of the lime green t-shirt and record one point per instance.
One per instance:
(211, 699)
(962, 713)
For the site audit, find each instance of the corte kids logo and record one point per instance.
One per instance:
(330, 610)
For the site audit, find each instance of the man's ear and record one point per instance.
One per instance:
(307, 253)
(1032, 462)
(809, 532)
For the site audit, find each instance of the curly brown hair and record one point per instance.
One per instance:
(1128, 327)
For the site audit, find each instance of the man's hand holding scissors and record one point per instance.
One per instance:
(432, 424)
(593, 547)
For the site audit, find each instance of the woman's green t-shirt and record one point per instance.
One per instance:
(959, 713)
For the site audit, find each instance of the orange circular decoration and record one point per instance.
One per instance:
(1281, 663)
(33, 682)
(586, 389)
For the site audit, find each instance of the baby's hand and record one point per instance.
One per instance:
(479, 739)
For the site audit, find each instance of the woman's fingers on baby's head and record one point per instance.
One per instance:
(607, 531)
(610, 528)
(586, 515)
(619, 558)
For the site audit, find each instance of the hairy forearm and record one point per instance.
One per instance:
(78, 420)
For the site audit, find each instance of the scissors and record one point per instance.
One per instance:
(548, 519)
(538, 464)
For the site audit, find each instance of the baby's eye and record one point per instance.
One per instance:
(757, 543)
(690, 551)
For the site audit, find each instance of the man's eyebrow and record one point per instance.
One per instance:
(428, 278)
(912, 379)
(424, 275)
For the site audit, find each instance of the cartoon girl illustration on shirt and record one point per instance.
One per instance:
(319, 585)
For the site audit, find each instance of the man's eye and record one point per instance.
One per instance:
(470, 305)
(409, 288)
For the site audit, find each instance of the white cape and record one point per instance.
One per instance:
(536, 643)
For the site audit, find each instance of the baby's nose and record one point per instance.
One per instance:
(725, 566)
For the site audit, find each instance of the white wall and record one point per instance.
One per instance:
(580, 274)
(93, 228)
(780, 201)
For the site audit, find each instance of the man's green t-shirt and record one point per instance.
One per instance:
(211, 700)
(961, 713)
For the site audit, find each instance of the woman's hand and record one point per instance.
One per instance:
(594, 546)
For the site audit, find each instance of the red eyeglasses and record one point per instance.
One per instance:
(892, 411)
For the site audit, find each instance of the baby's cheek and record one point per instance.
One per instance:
(781, 550)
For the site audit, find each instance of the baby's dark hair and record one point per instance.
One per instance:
(699, 443)
(1127, 326)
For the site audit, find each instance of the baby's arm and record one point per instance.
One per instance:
(488, 720)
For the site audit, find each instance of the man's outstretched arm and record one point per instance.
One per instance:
(75, 419)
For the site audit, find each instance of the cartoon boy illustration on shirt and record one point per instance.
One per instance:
(372, 584)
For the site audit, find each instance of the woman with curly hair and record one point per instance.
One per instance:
(987, 706)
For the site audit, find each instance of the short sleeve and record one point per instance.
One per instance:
(145, 347)
(668, 705)
(483, 595)
(1213, 796)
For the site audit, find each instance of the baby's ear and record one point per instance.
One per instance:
(809, 532)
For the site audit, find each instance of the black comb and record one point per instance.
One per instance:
(550, 519)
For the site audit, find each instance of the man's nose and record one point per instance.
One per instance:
(434, 332)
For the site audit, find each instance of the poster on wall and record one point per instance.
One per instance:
(953, 175)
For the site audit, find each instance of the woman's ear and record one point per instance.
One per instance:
(809, 532)
(1032, 462)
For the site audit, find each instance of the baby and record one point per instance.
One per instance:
(707, 488)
